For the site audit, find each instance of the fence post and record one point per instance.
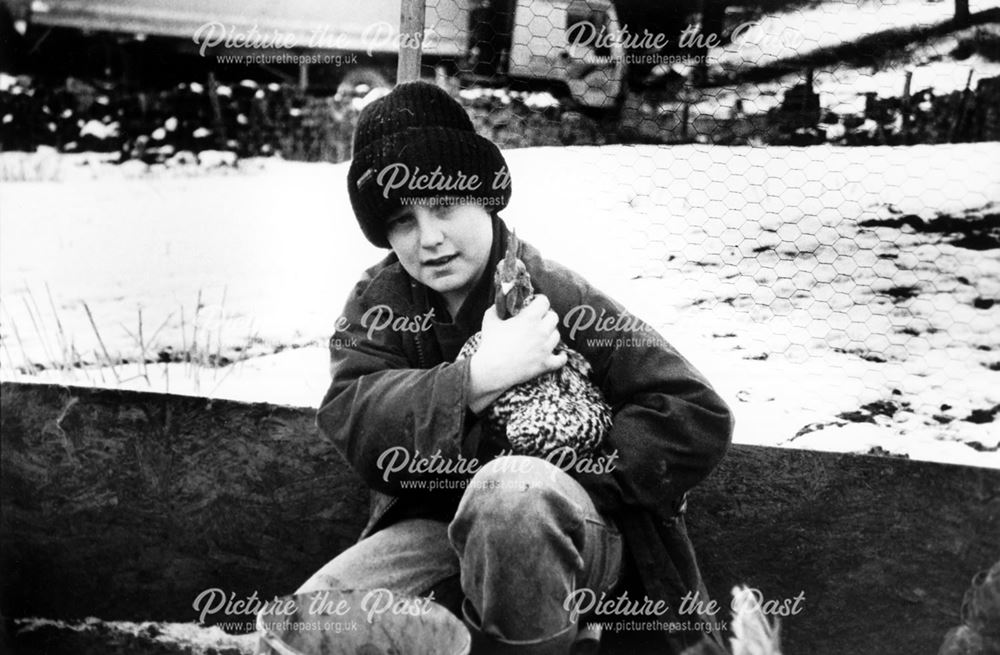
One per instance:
(411, 31)
(961, 12)
(303, 76)
(217, 122)
(962, 108)
(905, 108)
(688, 97)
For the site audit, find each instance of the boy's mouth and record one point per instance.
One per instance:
(439, 261)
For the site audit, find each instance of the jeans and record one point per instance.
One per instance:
(525, 537)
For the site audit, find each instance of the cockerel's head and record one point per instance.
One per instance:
(513, 283)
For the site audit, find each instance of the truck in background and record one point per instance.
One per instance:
(332, 43)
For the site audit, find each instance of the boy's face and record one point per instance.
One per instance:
(444, 246)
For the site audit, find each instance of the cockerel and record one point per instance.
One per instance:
(555, 411)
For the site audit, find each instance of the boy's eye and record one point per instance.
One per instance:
(400, 220)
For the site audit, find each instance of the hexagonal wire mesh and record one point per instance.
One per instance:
(842, 298)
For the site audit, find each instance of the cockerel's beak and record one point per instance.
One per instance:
(505, 287)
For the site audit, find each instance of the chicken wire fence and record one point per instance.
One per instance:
(800, 195)
(868, 275)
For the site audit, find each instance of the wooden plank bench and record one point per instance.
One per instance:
(127, 505)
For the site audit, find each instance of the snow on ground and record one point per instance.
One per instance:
(841, 87)
(796, 33)
(110, 637)
(821, 333)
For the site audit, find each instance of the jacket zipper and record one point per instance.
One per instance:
(420, 351)
(416, 335)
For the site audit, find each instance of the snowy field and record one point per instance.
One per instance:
(787, 36)
(821, 332)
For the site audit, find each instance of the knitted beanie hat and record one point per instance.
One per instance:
(417, 143)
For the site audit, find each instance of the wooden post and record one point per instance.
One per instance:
(303, 75)
(217, 122)
(963, 105)
(713, 20)
(905, 108)
(961, 12)
(685, 117)
(411, 31)
(687, 96)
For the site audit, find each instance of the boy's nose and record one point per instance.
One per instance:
(429, 224)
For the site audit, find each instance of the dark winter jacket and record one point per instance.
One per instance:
(401, 386)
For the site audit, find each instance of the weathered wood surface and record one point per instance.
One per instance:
(127, 505)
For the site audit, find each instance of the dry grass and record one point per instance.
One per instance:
(202, 351)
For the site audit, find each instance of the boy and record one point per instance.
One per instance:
(517, 546)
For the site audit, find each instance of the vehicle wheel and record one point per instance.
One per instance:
(373, 78)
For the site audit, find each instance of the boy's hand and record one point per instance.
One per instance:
(513, 351)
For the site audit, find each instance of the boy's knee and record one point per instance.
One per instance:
(517, 490)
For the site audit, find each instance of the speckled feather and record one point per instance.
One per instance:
(557, 410)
